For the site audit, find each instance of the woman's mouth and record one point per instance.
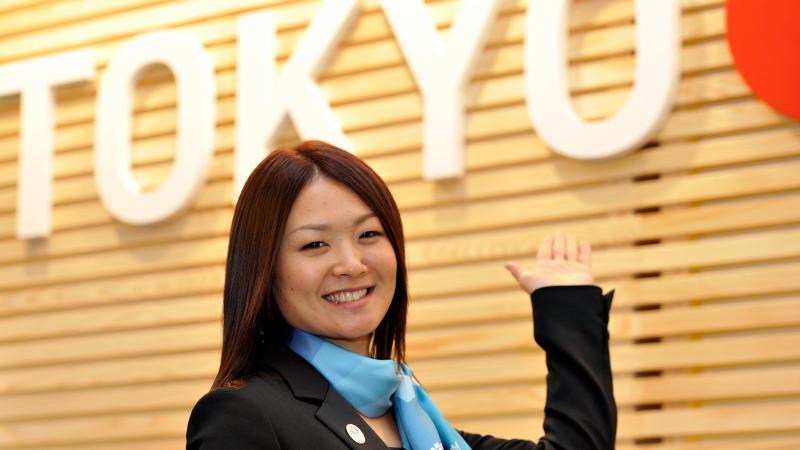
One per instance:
(347, 296)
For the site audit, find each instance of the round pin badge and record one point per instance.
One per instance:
(355, 433)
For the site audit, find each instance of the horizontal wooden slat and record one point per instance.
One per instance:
(150, 425)
(116, 400)
(737, 249)
(65, 190)
(680, 156)
(715, 285)
(672, 420)
(213, 25)
(783, 441)
(535, 177)
(174, 443)
(519, 367)
(708, 319)
(214, 194)
(11, 5)
(741, 418)
(510, 243)
(11, 123)
(770, 347)
(706, 352)
(714, 120)
(710, 385)
(454, 403)
(438, 281)
(584, 15)
(196, 225)
(718, 420)
(128, 261)
(161, 312)
(171, 339)
(523, 241)
(729, 420)
(718, 284)
(697, 155)
(125, 25)
(148, 286)
(588, 14)
(451, 336)
(114, 372)
(710, 56)
(529, 398)
(597, 43)
(157, 122)
(51, 14)
(63, 143)
(504, 336)
(709, 285)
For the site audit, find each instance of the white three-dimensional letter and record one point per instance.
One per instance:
(35, 80)
(264, 102)
(183, 54)
(547, 94)
(442, 69)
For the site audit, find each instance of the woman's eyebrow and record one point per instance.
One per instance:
(327, 226)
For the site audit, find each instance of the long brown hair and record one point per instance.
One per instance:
(250, 312)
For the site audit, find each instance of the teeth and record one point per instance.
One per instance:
(344, 297)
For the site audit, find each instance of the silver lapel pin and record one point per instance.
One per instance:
(355, 433)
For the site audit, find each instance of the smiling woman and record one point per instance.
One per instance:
(279, 207)
(314, 315)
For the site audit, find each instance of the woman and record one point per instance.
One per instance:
(314, 322)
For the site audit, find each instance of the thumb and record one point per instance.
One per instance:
(514, 268)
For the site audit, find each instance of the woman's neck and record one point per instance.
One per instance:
(360, 345)
(385, 427)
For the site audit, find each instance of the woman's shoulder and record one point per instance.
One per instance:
(228, 414)
(248, 395)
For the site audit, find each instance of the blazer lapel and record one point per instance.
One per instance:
(334, 411)
(337, 414)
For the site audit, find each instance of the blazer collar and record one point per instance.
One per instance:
(307, 384)
(303, 379)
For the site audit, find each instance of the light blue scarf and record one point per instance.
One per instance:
(372, 386)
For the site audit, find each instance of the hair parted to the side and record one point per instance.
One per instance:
(259, 222)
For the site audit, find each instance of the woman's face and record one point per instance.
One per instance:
(337, 269)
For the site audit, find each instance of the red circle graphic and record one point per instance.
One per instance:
(764, 38)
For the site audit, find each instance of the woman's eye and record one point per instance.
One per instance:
(371, 234)
(313, 245)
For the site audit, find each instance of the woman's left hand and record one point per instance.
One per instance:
(561, 261)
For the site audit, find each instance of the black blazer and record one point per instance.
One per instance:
(289, 405)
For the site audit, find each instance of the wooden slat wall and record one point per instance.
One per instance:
(109, 333)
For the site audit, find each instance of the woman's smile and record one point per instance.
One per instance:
(346, 296)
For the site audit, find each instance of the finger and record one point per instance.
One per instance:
(558, 245)
(571, 248)
(546, 248)
(585, 254)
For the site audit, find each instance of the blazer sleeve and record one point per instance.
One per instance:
(225, 419)
(571, 325)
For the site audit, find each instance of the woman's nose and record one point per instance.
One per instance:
(349, 262)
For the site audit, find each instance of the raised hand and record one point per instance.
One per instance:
(561, 261)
